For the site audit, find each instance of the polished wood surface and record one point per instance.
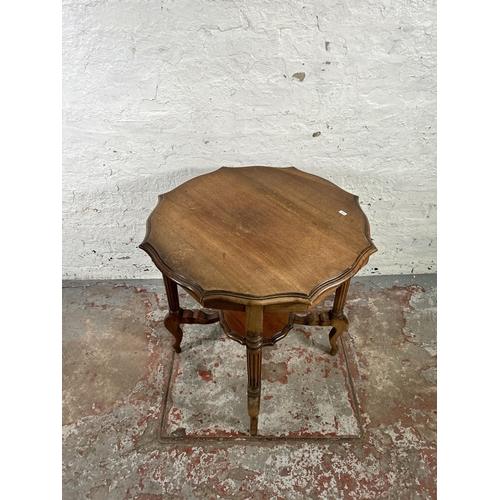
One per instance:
(254, 319)
(258, 235)
(177, 316)
(275, 326)
(263, 245)
(334, 318)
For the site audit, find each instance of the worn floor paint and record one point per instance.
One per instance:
(117, 360)
(305, 391)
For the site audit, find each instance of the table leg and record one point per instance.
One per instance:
(253, 324)
(339, 321)
(173, 319)
(177, 316)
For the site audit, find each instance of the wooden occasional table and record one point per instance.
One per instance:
(261, 245)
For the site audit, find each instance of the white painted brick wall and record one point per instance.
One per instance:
(156, 92)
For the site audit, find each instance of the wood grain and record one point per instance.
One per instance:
(262, 244)
(253, 326)
(275, 326)
(178, 316)
(258, 235)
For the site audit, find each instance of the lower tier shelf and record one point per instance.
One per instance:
(275, 326)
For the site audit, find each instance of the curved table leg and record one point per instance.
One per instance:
(173, 319)
(172, 323)
(338, 320)
(339, 327)
(253, 324)
(178, 316)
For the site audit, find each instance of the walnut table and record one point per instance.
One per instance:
(261, 245)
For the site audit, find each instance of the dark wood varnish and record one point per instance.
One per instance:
(334, 318)
(261, 244)
(254, 317)
(275, 326)
(178, 316)
(258, 235)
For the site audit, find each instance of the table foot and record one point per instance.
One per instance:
(254, 422)
(339, 327)
(178, 316)
(254, 409)
(334, 318)
(324, 318)
(338, 320)
(174, 320)
(172, 323)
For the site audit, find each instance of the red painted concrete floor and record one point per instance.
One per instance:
(141, 422)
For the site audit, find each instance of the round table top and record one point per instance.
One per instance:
(258, 236)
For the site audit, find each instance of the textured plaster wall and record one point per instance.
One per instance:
(156, 92)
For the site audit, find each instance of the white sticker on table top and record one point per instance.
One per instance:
(342, 212)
